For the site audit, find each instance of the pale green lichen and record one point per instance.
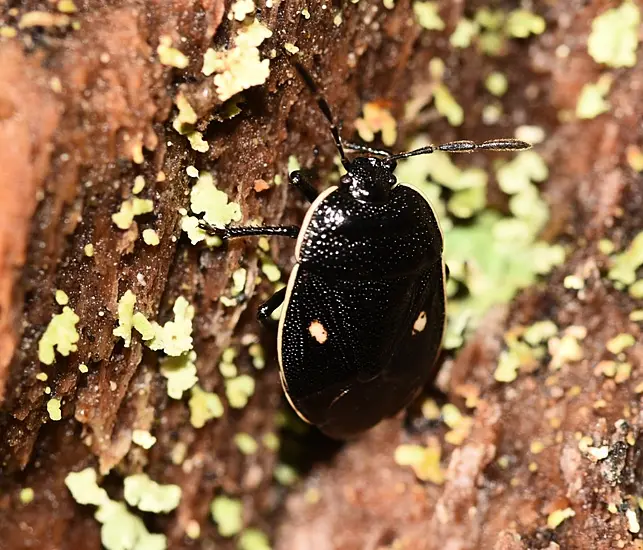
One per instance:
(171, 56)
(180, 372)
(447, 106)
(204, 406)
(240, 9)
(625, 264)
(197, 142)
(143, 438)
(175, 337)
(465, 31)
(426, 14)
(270, 270)
(615, 36)
(26, 495)
(258, 358)
(144, 327)
(497, 83)
(61, 298)
(591, 101)
(620, 342)
(245, 443)
(239, 390)
(84, 487)
(558, 516)
(424, 461)
(53, 409)
(60, 335)
(89, 250)
(285, 475)
(227, 513)
(205, 198)
(521, 23)
(148, 496)
(190, 224)
(150, 237)
(121, 530)
(139, 185)
(291, 48)
(239, 67)
(125, 317)
(253, 539)
(130, 208)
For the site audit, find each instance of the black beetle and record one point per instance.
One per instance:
(364, 308)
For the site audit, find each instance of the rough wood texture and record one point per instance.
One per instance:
(67, 162)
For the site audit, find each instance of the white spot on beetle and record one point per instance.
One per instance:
(318, 332)
(420, 323)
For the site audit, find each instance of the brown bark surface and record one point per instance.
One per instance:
(78, 105)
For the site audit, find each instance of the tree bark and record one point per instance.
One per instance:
(88, 106)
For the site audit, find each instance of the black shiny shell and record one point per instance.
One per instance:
(365, 309)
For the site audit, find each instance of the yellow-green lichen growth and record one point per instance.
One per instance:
(61, 298)
(89, 250)
(246, 443)
(84, 488)
(26, 495)
(121, 530)
(213, 203)
(204, 406)
(591, 101)
(150, 237)
(125, 317)
(447, 106)
(60, 334)
(522, 23)
(558, 516)
(175, 337)
(625, 264)
(285, 475)
(180, 373)
(253, 539)
(615, 36)
(240, 8)
(464, 33)
(239, 390)
(148, 496)
(147, 330)
(239, 67)
(427, 15)
(497, 83)
(53, 409)
(424, 461)
(139, 185)
(143, 438)
(129, 209)
(620, 342)
(227, 513)
(171, 56)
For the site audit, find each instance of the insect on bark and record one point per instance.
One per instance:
(364, 308)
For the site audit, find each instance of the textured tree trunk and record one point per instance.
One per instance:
(87, 104)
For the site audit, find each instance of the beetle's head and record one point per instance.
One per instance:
(369, 179)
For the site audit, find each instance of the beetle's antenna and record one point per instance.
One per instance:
(323, 106)
(467, 147)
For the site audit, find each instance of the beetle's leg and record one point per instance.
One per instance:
(303, 185)
(269, 306)
(225, 233)
(366, 149)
